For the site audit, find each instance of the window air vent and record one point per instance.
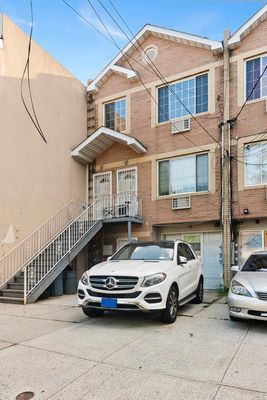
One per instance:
(180, 203)
(181, 125)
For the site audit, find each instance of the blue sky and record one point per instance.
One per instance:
(85, 53)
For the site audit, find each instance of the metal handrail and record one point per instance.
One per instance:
(24, 251)
(127, 204)
(47, 259)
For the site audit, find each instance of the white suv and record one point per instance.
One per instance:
(143, 276)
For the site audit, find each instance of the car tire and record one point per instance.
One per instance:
(92, 312)
(169, 314)
(234, 319)
(200, 292)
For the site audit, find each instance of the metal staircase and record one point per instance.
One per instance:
(30, 268)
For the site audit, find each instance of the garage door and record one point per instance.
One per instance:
(207, 245)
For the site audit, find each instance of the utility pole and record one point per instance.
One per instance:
(226, 165)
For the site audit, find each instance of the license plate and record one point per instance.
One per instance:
(264, 314)
(108, 303)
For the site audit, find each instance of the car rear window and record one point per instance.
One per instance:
(142, 251)
(256, 262)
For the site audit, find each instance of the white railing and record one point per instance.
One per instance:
(16, 258)
(54, 252)
(119, 205)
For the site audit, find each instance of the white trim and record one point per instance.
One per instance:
(185, 38)
(130, 141)
(128, 73)
(123, 170)
(245, 29)
(110, 180)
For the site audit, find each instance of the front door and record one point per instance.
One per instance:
(102, 186)
(127, 190)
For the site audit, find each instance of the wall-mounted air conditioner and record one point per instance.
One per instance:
(181, 125)
(181, 202)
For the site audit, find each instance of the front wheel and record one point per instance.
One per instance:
(92, 312)
(169, 314)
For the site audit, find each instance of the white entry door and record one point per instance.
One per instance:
(102, 186)
(126, 188)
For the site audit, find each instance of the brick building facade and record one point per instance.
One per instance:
(170, 160)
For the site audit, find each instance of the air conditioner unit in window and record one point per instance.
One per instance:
(181, 125)
(180, 203)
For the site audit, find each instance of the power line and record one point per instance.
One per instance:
(27, 69)
(158, 72)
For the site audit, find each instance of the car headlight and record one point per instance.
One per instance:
(152, 280)
(84, 279)
(237, 288)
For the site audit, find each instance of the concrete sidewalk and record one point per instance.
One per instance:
(51, 349)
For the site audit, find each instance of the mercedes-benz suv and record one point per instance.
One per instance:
(143, 276)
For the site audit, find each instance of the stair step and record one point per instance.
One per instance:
(13, 300)
(16, 285)
(12, 293)
(19, 279)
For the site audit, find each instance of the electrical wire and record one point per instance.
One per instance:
(33, 118)
(155, 68)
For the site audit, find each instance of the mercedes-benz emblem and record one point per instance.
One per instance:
(110, 282)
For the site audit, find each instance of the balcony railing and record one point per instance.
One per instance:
(118, 206)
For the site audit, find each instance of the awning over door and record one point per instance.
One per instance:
(100, 140)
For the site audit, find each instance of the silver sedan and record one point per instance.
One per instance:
(247, 296)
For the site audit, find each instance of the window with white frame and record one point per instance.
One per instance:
(256, 164)
(254, 69)
(182, 98)
(186, 174)
(115, 115)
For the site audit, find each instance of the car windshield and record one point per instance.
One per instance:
(256, 262)
(137, 251)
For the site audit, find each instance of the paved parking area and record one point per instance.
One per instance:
(50, 348)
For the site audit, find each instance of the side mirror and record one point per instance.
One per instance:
(109, 258)
(235, 268)
(182, 260)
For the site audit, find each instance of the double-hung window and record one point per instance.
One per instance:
(115, 115)
(256, 164)
(182, 98)
(184, 174)
(254, 69)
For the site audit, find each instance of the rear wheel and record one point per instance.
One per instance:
(200, 292)
(92, 312)
(169, 314)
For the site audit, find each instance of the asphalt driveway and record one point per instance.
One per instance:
(51, 349)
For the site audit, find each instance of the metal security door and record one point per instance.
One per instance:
(102, 185)
(126, 188)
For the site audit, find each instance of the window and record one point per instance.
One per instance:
(176, 100)
(254, 70)
(256, 164)
(185, 251)
(115, 115)
(142, 251)
(150, 54)
(183, 175)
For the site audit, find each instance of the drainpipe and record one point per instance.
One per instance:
(226, 166)
(87, 185)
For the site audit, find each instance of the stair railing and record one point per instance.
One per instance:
(47, 259)
(21, 254)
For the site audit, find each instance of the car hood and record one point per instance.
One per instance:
(253, 280)
(130, 268)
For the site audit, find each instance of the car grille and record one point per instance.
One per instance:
(114, 295)
(120, 282)
(262, 295)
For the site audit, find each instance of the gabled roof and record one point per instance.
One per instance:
(248, 27)
(170, 34)
(100, 140)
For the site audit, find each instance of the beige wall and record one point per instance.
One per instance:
(36, 179)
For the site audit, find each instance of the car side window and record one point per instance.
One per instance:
(181, 251)
(186, 251)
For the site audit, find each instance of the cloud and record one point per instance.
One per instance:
(115, 32)
(23, 22)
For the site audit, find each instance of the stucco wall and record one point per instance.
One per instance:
(36, 179)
